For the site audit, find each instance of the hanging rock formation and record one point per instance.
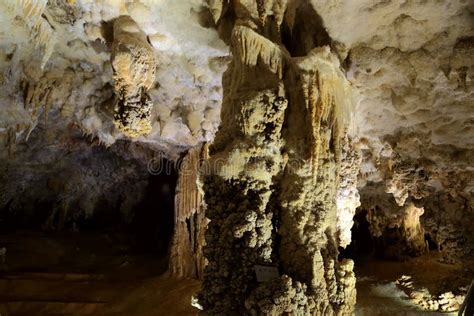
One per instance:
(275, 173)
(134, 65)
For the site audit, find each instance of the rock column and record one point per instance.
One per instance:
(275, 174)
(186, 258)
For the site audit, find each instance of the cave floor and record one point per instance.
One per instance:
(91, 273)
(86, 273)
(378, 294)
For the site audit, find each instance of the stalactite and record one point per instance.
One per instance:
(347, 197)
(134, 65)
(254, 48)
(30, 12)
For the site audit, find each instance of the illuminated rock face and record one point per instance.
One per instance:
(133, 62)
(61, 56)
(277, 165)
(186, 257)
(413, 119)
(67, 87)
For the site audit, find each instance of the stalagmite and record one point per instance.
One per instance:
(320, 103)
(245, 157)
(276, 167)
(134, 67)
(186, 258)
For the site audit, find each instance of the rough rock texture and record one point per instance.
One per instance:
(57, 55)
(60, 67)
(396, 231)
(444, 302)
(134, 65)
(347, 196)
(320, 103)
(276, 164)
(408, 62)
(411, 65)
(59, 180)
(186, 256)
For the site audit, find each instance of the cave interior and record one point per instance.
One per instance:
(247, 157)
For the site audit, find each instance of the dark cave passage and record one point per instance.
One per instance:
(153, 223)
(148, 225)
(362, 243)
(109, 241)
(430, 242)
(67, 260)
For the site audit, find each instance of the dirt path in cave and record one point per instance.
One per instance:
(86, 274)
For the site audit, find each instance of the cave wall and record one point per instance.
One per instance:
(409, 66)
(64, 72)
(59, 179)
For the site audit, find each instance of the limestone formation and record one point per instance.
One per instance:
(347, 197)
(444, 302)
(134, 65)
(397, 231)
(320, 102)
(277, 161)
(186, 257)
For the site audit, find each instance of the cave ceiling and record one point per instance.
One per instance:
(409, 63)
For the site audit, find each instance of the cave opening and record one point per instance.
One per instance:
(153, 222)
(431, 244)
(362, 243)
(61, 256)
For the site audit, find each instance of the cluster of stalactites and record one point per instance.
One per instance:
(134, 65)
(256, 12)
(32, 14)
(328, 100)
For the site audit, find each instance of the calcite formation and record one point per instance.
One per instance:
(347, 197)
(56, 100)
(444, 302)
(397, 231)
(444, 194)
(186, 255)
(277, 162)
(413, 117)
(134, 65)
(58, 53)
